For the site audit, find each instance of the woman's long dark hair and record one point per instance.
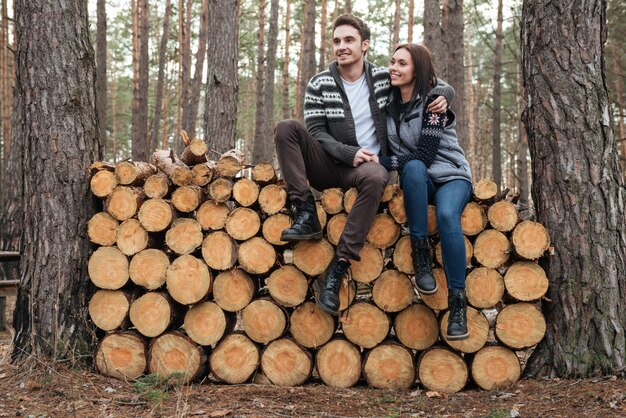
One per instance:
(425, 78)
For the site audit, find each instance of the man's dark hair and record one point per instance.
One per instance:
(356, 23)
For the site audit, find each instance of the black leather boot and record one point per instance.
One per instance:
(326, 286)
(457, 320)
(305, 225)
(422, 263)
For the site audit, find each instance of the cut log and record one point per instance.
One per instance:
(439, 300)
(235, 359)
(195, 152)
(272, 198)
(384, 231)
(184, 236)
(478, 327)
(332, 200)
(274, 226)
(520, 326)
(102, 229)
(264, 321)
(108, 268)
(123, 202)
(108, 309)
(156, 215)
(485, 287)
(441, 370)
(388, 193)
(187, 198)
(322, 216)
(335, 227)
(245, 192)
(243, 224)
(347, 293)
(233, 290)
(167, 162)
(416, 327)
(220, 189)
(131, 237)
(103, 183)
(212, 215)
(157, 186)
(389, 366)
(469, 252)
(531, 240)
(206, 323)
(338, 363)
(396, 207)
(392, 291)
(175, 357)
(101, 166)
(402, 255)
(311, 326)
(287, 286)
(370, 266)
(256, 256)
(365, 324)
(285, 363)
(219, 250)
(491, 248)
(264, 173)
(495, 367)
(122, 355)
(526, 281)
(312, 257)
(148, 268)
(349, 198)
(188, 280)
(473, 219)
(153, 313)
(129, 173)
(485, 190)
(202, 174)
(230, 163)
(503, 216)
(432, 220)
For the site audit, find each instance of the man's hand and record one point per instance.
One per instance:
(364, 155)
(439, 105)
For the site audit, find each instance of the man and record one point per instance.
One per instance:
(344, 113)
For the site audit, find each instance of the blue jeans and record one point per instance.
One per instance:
(450, 199)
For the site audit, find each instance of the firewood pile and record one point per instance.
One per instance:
(193, 281)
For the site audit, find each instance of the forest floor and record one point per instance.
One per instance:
(54, 390)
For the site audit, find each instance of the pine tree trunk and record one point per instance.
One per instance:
(577, 185)
(140, 90)
(259, 118)
(184, 68)
(158, 101)
(307, 53)
(221, 99)
(410, 20)
(286, 80)
(432, 34)
(396, 25)
(54, 278)
(101, 73)
(323, 33)
(196, 84)
(496, 139)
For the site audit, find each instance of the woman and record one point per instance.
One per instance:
(424, 149)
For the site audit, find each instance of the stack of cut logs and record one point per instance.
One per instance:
(194, 281)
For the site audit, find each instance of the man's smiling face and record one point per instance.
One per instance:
(348, 46)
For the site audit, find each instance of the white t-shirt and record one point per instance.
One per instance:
(358, 96)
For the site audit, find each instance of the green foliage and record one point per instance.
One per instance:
(498, 413)
(154, 387)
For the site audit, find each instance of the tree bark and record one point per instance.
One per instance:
(496, 139)
(196, 84)
(58, 120)
(286, 81)
(432, 33)
(323, 33)
(221, 99)
(396, 25)
(5, 82)
(260, 113)
(308, 52)
(184, 68)
(140, 88)
(101, 73)
(411, 20)
(158, 101)
(577, 187)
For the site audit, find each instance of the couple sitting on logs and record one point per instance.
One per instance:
(363, 121)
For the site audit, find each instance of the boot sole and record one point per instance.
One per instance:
(315, 235)
(317, 291)
(427, 292)
(457, 337)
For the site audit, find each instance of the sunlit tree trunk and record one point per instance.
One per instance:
(156, 120)
(101, 72)
(196, 83)
(286, 81)
(140, 86)
(496, 160)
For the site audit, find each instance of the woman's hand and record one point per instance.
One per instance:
(439, 105)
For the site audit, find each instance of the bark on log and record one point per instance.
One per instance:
(101, 166)
(349, 198)
(176, 357)
(396, 207)
(195, 152)
(273, 228)
(156, 215)
(103, 183)
(392, 291)
(441, 370)
(131, 237)
(310, 326)
(365, 324)
(102, 229)
(338, 363)
(285, 363)
(478, 327)
(202, 174)
(264, 173)
(157, 186)
(495, 367)
(184, 236)
(335, 226)
(485, 190)
(212, 215)
(322, 216)
(473, 219)
(246, 192)
(148, 268)
(485, 287)
(384, 231)
(167, 162)
(233, 290)
(347, 293)
(206, 323)
(123, 202)
(332, 200)
(256, 256)
(389, 366)
(264, 321)
(219, 250)
(188, 280)
(312, 257)
(122, 355)
(520, 326)
(469, 252)
(243, 224)
(108, 309)
(235, 359)
(287, 286)
(370, 266)
(491, 248)
(153, 313)
(230, 163)
(530, 239)
(272, 198)
(108, 268)
(439, 300)
(187, 198)
(416, 327)
(402, 255)
(526, 281)
(220, 189)
(129, 173)
(503, 216)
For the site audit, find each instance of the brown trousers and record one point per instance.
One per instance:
(301, 158)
